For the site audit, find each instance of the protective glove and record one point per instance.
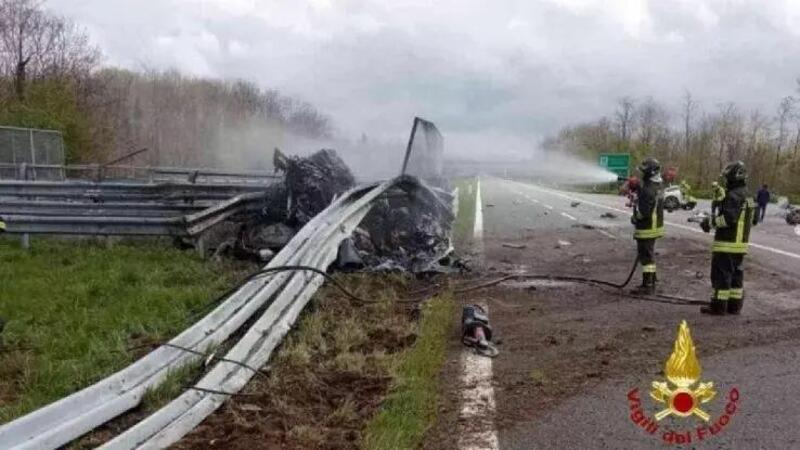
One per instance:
(706, 224)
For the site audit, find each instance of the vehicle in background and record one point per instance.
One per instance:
(674, 199)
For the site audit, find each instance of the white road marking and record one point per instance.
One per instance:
(568, 216)
(477, 231)
(476, 424)
(672, 224)
(606, 233)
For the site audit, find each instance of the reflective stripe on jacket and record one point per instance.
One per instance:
(649, 218)
(736, 215)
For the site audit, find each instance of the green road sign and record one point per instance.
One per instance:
(618, 163)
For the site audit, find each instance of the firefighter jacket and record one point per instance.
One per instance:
(733, 222)
(649, 215)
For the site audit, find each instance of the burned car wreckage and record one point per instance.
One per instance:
(404, 230)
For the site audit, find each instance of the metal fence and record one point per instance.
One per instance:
(30, 146)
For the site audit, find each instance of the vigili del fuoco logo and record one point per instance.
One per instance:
(683, 396)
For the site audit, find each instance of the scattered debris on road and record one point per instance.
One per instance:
(608, 215)
(563, 243)
(476, 331)
(793, 216)
(574, 204)
(585, 226)
(514, 246)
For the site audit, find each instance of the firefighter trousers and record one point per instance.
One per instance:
(727, 277)
(646, 249)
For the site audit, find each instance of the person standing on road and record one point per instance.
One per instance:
(762, 198)
(648, 220)
(731, 236)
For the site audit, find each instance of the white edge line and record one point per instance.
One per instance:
(673, 224)
(477, 428)
(606, 233)
(478, 226)
(568, 216)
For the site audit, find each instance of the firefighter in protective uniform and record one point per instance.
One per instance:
(648, 219)
(732, 223)
(717, 195)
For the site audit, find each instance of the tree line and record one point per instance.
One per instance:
(698, 140)
(51, 76)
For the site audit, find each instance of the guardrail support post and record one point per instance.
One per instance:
(200, 244)
(22, 174)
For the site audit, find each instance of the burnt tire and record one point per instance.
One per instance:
(671, 204)
(793, 217)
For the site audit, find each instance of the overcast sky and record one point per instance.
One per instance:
(504, 70)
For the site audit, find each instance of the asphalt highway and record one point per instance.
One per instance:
(762, 365)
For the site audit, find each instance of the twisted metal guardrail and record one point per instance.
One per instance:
(284, 295)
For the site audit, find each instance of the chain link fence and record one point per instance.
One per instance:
(30, 146)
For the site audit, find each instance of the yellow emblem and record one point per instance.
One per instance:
(683, 371)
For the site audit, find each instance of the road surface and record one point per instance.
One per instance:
(571, 353)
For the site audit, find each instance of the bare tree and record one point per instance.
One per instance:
(625, 117)
(689, 107)
(34, 43)
(785, 109)
(758, 125)
(652, 119)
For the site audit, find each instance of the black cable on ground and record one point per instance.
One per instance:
(576, 279)
(214, 391)
(217, 358)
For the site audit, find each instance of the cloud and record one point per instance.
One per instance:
(508, 70)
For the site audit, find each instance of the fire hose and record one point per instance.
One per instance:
(661, 298)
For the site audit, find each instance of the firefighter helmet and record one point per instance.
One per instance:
(650, 168)
(734, 172)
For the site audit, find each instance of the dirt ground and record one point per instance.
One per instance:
(327, 381)
(561, 340)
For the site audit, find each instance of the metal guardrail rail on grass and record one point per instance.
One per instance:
(122, 208)
(101, 172)
(113, 209)
(84, 219)
(285, 295)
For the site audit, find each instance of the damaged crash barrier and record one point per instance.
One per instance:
(312, 183)
(309, 185)
(476, 332)
(408, 229)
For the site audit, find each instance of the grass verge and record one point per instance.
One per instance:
(465, 220)
(327, 379)
(74, 308)
(411, 407)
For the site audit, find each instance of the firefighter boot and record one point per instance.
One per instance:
(716, 308)
(735, 305)
(648, 286)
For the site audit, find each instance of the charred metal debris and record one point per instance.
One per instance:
(407, 229)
